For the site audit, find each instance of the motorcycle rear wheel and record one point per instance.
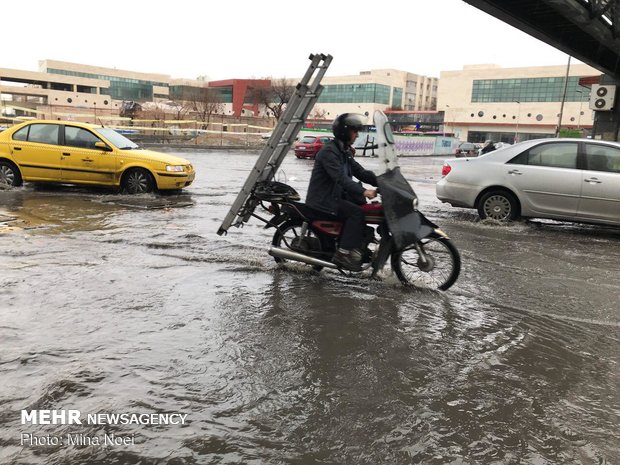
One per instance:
(440, 272)
(288, 237)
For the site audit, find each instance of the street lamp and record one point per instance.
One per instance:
(518, 116)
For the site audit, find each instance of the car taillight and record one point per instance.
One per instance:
(445, 169)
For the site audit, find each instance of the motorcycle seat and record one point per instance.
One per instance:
(310, 213)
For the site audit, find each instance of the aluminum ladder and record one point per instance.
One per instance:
(284, 134)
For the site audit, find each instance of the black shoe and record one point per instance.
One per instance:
(348, 259)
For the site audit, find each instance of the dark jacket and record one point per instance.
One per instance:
(487, 148)
(332, 181)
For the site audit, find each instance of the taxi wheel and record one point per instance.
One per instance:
(137, 181)
(9, 174)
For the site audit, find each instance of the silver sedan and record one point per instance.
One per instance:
(562, 179)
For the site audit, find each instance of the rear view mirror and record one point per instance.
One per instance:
(103, 146)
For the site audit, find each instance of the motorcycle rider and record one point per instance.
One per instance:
(333, 191)
(488, 146)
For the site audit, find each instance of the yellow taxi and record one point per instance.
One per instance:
(80, 153)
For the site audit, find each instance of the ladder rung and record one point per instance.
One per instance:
(307, 92)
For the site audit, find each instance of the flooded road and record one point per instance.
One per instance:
(134, 305)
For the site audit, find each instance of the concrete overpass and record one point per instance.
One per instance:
(588, 30)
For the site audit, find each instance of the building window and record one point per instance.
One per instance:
(356, 93)
(549, 89)
(120, 88)
(397, 97)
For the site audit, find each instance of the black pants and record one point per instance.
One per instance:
(352, 233)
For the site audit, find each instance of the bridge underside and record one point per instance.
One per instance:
(588, 30)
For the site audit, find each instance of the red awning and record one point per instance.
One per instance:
(589, 80)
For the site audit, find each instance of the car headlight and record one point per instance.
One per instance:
(175, 168)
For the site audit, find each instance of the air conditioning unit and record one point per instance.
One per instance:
(602, 97)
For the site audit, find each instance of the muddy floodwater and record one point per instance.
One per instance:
(116, 305)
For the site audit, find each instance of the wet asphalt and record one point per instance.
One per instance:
(124, 304)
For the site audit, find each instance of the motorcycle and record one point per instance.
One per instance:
(420, 253)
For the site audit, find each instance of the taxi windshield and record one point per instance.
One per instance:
(118, 140)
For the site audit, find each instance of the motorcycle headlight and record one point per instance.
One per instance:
(175, 168)
(415, 203)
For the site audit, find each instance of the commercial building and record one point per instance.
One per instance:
(85, 89)
(477, 103)
(378, 89)
(50, 96)
(487, 102)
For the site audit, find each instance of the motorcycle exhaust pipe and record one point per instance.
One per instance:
(298, 257)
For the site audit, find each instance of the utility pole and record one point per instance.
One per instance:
(557, 130)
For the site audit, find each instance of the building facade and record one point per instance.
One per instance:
(379, 89)
(123, 84)
(487, 102)
(76, 85)
(44, 95)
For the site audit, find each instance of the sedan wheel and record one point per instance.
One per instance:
(9, 174)
(137, 181)
(498, 205)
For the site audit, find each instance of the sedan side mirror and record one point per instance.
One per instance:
(103, 146)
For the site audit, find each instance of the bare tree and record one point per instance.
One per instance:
(180, 107)
(274, 97)
(319, 113)
(205, 103)
(153, 111)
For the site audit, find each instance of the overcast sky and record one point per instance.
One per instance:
(267, 38)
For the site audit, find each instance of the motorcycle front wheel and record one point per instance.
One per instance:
(439, 269)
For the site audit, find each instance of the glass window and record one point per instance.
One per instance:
(356, 93)
(559, 155)
(397, 97)
(43, 133)
(79, 137)
(603, 158)
(528, 90)
(117, 139)
(307, 140)
(22, 134)
(387, 130)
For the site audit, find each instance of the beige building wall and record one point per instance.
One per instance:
(418, 92)
(82, 68)
(32, 93)
(462, 115)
